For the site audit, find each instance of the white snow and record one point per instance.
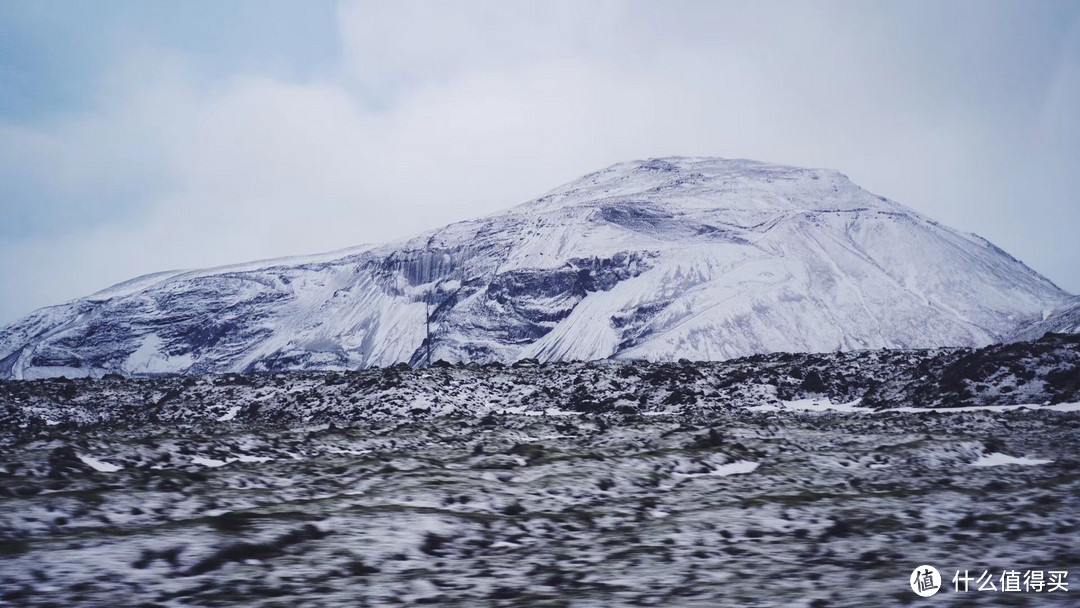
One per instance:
(149, 358)
(1057, 407)
(822, 404)
(98, 465)
(825, 405)
(248, 458)
(735, 468)
(996, 459)
(209, 462)
(739, 467)
(215, 463)
(229, 415)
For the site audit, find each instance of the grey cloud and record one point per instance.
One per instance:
(445, 111)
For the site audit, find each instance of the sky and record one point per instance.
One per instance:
(141, 136)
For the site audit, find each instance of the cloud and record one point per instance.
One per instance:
(391, 47)
(444, 111)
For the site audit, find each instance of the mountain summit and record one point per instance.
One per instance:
(698, 258)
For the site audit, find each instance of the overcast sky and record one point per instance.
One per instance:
(143, 136)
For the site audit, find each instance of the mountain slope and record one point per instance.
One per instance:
(662, 259)
(1063, 320)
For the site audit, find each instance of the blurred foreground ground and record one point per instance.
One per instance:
(718, 509)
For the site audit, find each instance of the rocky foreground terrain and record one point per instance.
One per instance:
(778, 480)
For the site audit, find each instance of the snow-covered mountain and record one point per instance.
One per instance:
(697, 258)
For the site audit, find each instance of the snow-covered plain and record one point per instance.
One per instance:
(698, 258)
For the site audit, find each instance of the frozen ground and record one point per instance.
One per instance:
(552, 487)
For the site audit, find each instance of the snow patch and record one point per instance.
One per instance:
(148, 358)
(229, 415)
(247, 458)
(825, 405)
(739, 467)
(811, 405)
(1057, 407)
(209, 462)
(98, 465)
(996, 459)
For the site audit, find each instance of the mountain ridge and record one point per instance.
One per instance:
(660, 259)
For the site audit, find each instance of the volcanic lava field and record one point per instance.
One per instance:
(780, 480)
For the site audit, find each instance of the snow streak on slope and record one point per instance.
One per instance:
(1063, 320)
(700, 258)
